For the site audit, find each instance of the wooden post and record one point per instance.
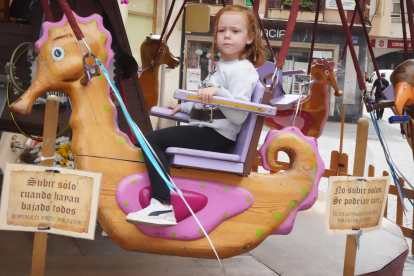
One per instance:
(371, 171)
(48, 150)
(341, 140)
(400, 209)
(342, 130)
(385, 173)
(359, 164)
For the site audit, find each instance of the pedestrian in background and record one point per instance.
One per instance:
(380, 85)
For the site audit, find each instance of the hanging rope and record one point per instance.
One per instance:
(256, 5)
(290, 27)
(47, 10)
(393, 168)
(410, 21)
(351, 45)
(175, 21)
(404, 30)
(162, 33)
(153, 157)
(131, 134)
(350, 29)
(315, 25)
(364, 28)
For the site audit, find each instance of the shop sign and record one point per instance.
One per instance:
(399, 44)
(273, 33)
(355, 39)
(389, 43)
(49, 199)
(347, 4)
(355, 203)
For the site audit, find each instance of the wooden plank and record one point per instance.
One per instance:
(344, 162)
(350, 255)
(48, 150)
(334, 160)
(359, 164)
(385, 173)
(371, 171)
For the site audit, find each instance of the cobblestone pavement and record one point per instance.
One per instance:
(400, 152)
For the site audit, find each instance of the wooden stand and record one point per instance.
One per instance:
(359, 165)
(48, 150)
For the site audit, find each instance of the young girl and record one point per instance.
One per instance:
(238, 39)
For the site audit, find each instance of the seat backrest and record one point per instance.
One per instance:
(266, 69)
(241, 147)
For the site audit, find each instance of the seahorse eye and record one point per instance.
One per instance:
(327, 72)
(58, 53)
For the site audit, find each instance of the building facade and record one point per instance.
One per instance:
(386, 35)
(329, 44)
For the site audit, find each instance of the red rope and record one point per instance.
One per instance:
(315, 25)
(256, 11)
(131, 135)
(176, 19)
(364, 27)
(47, 10)
(71, 19)
(404, 30)
(290, 27)
(350, 29)
(351, 46)
(163, 31)
(410, 20)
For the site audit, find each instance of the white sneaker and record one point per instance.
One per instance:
(155, 214)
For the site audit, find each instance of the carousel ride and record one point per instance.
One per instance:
(260, 208)
(262, 204)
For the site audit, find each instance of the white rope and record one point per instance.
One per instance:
(46, 158)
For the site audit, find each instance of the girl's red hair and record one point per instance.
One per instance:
(254, 52)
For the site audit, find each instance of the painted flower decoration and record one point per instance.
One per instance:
(64, 150)
(63, 153)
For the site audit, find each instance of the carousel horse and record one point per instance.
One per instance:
(149, 77)
(261, 204)
(314, 109)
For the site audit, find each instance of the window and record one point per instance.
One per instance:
(211, 2)
(307, 5)
(140, 23)
(396, 9)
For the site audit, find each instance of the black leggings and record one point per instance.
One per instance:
(190, 137)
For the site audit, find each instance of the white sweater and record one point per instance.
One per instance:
(237, 79)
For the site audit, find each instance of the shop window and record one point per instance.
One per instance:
(198, 62)
(297, 59)
(309, 5)
(140, 23)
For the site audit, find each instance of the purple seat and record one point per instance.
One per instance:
(239, 160)
(280, 100)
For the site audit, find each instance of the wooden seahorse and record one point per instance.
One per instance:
(314, 110)
(261, 205)
(149, 78)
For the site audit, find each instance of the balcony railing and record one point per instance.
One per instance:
(211, 2)
(309, 5)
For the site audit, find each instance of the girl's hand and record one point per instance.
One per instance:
(207, 93)
(175, 108)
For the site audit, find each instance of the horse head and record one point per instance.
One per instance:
(60, 64)
(323, 70)
(164, 56)
(402, 79)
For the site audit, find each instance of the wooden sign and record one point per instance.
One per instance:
(355, 203)
(49, 199)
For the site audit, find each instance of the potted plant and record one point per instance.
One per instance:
(304, 4)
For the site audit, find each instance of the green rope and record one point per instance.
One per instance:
(11, 114)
